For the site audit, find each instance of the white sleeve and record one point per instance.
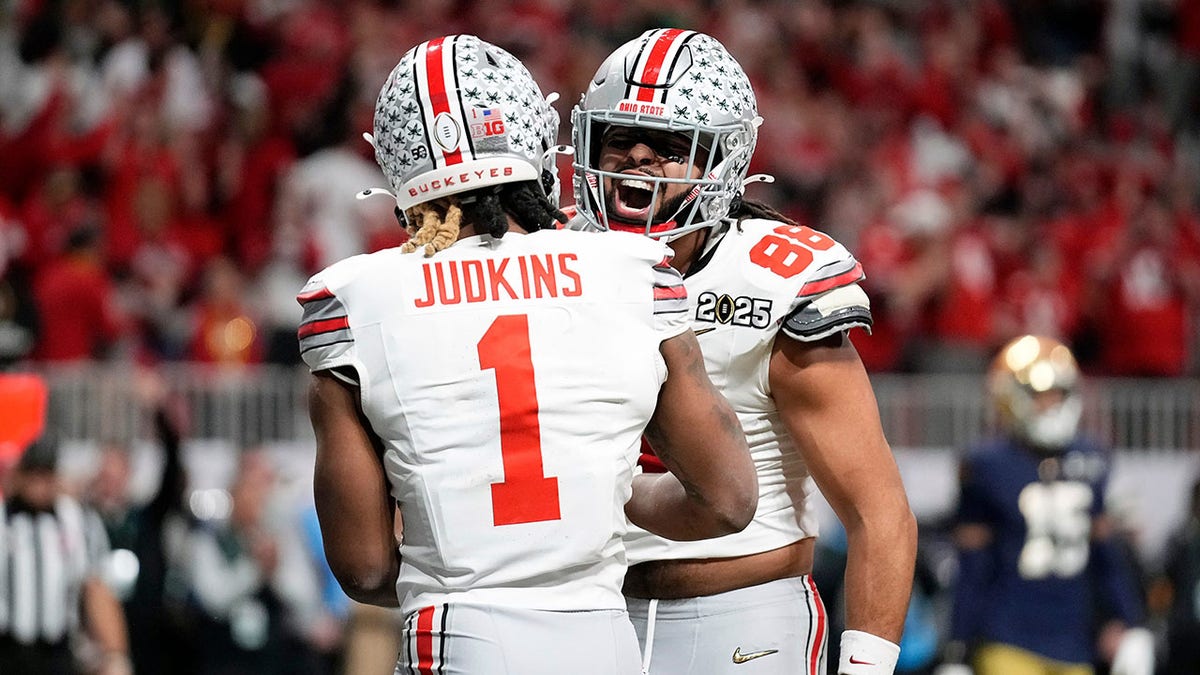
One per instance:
(672, 314)
(326, 339)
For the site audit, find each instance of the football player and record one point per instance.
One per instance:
(494, 380)
(1034, 544)
(663, 138)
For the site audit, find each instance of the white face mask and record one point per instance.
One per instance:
(1054, 427)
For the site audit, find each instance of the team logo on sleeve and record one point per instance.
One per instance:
(739, 311)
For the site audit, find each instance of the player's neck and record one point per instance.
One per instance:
(471, 230)
(687, 249)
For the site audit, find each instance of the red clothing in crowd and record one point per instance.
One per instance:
(1145, 329)
(76, 315)
(248, 214)
(1188, 27)
(1043, 303)
(965, 311)
(138, 162)
(884, 255)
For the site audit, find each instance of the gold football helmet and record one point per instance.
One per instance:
(1034, 385)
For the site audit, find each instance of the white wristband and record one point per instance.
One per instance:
(866, 654)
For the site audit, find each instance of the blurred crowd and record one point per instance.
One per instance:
(171, 172)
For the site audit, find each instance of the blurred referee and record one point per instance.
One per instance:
(51, 550)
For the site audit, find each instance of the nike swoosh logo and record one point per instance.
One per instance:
(860, 663)
(702, 331)
(739, 657)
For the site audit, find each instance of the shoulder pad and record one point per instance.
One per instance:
(840, 309)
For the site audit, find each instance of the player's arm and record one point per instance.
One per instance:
(1114, 573)
(105, 623)
(976, 569)
(350, 488)
(974, 542)
(826, 401)
(711, 489)
(1125, 642)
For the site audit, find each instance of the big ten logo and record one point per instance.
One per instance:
(740, 311)
(486, 122)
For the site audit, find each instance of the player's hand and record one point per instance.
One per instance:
(953, 669)
(1135, 653)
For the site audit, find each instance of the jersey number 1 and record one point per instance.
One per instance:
(526, 495)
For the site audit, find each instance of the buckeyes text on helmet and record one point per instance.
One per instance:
(458, 114)
(670, 80)
(1033, 384)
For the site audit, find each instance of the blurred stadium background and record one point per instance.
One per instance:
(171, 172)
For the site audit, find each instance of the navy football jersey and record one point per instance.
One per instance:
(1035, 584)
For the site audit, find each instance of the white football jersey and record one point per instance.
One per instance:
(763, 277)
(510, 380)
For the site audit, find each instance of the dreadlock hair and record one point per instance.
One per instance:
(748, 208)
(437, 227)
(437, 223)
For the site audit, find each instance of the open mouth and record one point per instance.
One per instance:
(632, 199)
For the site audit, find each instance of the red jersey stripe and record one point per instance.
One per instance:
(652, 72)
(819, 636)
(435, 73)
(425, 641)
(822, 285)
(319, 294)
(670, 292)
(326, 326)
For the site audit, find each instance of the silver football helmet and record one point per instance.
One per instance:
(677, 81)
(458, 114)
(1027, 370)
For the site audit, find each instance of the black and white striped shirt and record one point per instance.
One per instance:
(45, 556)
